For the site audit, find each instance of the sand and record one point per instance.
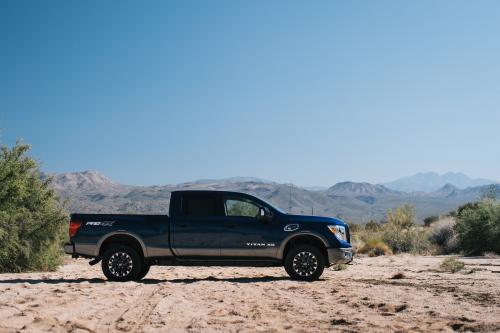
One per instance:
(365, 297)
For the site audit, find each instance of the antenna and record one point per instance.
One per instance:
(312, 211)
(290, 202)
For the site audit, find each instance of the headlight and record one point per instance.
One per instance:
(339, 231)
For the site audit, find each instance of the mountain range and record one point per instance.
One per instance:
(90, 191)
(431, 181)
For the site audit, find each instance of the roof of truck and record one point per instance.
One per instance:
(208, 191)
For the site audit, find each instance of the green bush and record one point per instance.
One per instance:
(31, 219)
(478, 227)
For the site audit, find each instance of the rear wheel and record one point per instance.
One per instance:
(122, 263)
(305, 262)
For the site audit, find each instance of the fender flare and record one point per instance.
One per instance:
(288, 239)
(120, 232)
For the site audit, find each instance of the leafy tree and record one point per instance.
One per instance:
(31, 218)
(478, 227)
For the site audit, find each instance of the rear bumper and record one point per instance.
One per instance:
(339, 256)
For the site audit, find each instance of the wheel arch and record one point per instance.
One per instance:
(304, 237)
(124, 238)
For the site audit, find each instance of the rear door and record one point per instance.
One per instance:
(197, 228)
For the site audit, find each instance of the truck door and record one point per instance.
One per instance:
(196, 230)
(244, 234)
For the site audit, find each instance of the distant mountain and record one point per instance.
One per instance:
(447, 191)
(357, 189)
(87, 181)
(431, 181)
(232, 180)
(90, 191)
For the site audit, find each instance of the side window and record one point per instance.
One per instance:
(200, 206)
(239, 207)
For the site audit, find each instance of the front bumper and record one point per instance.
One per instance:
(339, 256)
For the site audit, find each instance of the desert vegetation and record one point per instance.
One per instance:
(473, 229)
(32, 221)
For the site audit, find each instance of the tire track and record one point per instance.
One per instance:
(132, 316)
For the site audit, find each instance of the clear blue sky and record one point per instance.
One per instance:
(313, 93)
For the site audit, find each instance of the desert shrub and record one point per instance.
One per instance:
(443, 235)
(478, 227)
(451, 265)
(429, 220)
(31, 219)
(402, 234)
(467, 206)
(354, 227)
(373, 226)
(375, 247)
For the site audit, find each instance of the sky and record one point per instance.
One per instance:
(312, 93)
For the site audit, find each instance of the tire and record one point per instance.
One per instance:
(122, 263)
(305, 263)
(144, 272)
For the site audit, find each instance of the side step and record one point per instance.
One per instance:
(219, 262)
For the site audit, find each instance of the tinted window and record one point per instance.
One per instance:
(238, 207)
(200, 205)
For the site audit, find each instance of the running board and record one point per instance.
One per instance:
(218, 262)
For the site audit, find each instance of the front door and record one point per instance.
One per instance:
(196, 232)
(244, 234)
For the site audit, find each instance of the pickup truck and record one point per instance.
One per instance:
(210, 228)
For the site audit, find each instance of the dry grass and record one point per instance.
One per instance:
(375, 247)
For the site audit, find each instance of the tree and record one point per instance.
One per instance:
(31, 219)
(478, 227)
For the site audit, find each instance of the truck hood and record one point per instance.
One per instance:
(315, 219)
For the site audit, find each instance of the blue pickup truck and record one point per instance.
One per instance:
(210, 228)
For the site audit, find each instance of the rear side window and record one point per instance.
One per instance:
(201, 205)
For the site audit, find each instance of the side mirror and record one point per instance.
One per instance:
(265, 214)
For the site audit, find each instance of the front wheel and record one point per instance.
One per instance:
(122, 263)
(305, 262)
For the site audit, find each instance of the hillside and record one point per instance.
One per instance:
(90, 191)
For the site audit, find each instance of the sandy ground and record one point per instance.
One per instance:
(362, 298)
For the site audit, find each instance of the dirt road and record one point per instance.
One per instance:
(365, 297)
